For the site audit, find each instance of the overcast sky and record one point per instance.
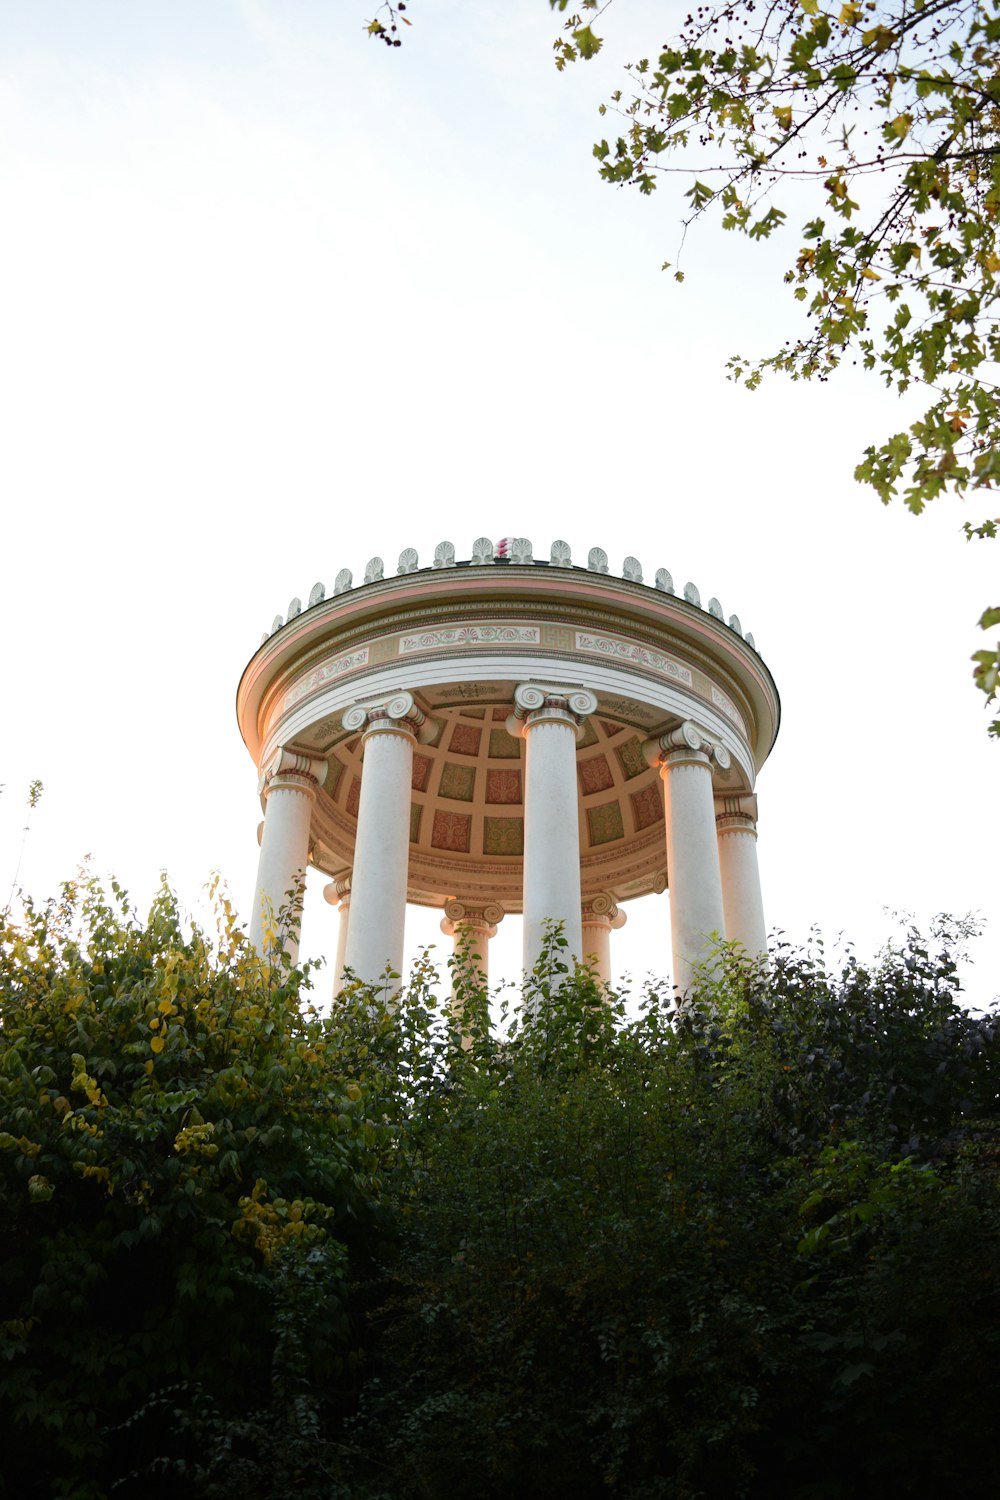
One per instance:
(276, 299)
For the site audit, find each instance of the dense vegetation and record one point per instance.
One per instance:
(743, 1246)
(185, 1176)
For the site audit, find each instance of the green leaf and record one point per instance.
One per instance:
(588, 44)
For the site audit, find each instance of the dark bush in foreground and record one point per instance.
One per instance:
(184, 1175)
(747, 1246)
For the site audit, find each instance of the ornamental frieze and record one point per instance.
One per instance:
(328, 672)
(641, 656)
(471, 635)
(728, 708)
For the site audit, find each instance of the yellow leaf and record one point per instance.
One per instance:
(850, 14)
(993, 263)
(900, 126)
(870, 275)
(157, 1044)
(883, 38)
(783, 115)
(811, 7)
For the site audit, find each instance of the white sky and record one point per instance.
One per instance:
(274, 300)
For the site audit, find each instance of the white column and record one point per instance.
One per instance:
(470, 928)
(382, 842)
(549, 719)
(475, 925)
(288, 787)
(599, 917)
(736, 823)
(697, 920)
(338, 893)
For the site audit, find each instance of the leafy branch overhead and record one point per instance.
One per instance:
(879, 121)
(387, 30)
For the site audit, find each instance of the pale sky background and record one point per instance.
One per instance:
(275, 299)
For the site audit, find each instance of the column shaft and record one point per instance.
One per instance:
(338, 894)
(381, 857)
(549, 719)
(600, 916)
(741, 897)
(551, 838)
(470, 929)
(343, 929)
(289, 786)
(382, 841)
(696, 911)
(473, 939)
(597, 946)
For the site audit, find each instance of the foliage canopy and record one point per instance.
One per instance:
(697, 1249)
(181, 1169)
(704, 1252)
(889, 112)
(877, 123)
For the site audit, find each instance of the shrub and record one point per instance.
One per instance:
(744, 1246)
(181, 1171)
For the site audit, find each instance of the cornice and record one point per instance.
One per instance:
(376, 609)
(719, 654)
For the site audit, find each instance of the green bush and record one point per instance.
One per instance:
(747, 1246)
(741, 1246)
(183, 1171)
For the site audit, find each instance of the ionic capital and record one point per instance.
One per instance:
(736, 815)
(395, 714)
(602, 910)
(688, 744)
(460, 916)
(288, 770)
(338, 892)
(541, 702)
